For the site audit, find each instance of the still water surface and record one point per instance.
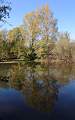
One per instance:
(37, 92)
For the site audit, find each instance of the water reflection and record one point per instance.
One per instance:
(12, 105)
(40, 85)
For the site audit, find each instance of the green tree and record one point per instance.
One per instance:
(3, 45)
(4, 10)
(16, 42)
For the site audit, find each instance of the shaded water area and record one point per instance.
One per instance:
(37, 92)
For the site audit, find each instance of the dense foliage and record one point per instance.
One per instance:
(37, 39)
(4, 10)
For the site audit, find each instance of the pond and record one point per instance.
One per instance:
(37, 92)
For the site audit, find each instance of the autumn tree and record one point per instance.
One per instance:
(3, 45)
(41, 25)
(63, 48)
(31, 25)
(16, 41)
(48, 29)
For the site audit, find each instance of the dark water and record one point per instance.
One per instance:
(37, 92)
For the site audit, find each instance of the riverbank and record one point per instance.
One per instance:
(11, 61)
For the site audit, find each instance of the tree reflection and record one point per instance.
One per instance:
(42, 93)
(39, 84)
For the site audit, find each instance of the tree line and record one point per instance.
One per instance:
(37, 39)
